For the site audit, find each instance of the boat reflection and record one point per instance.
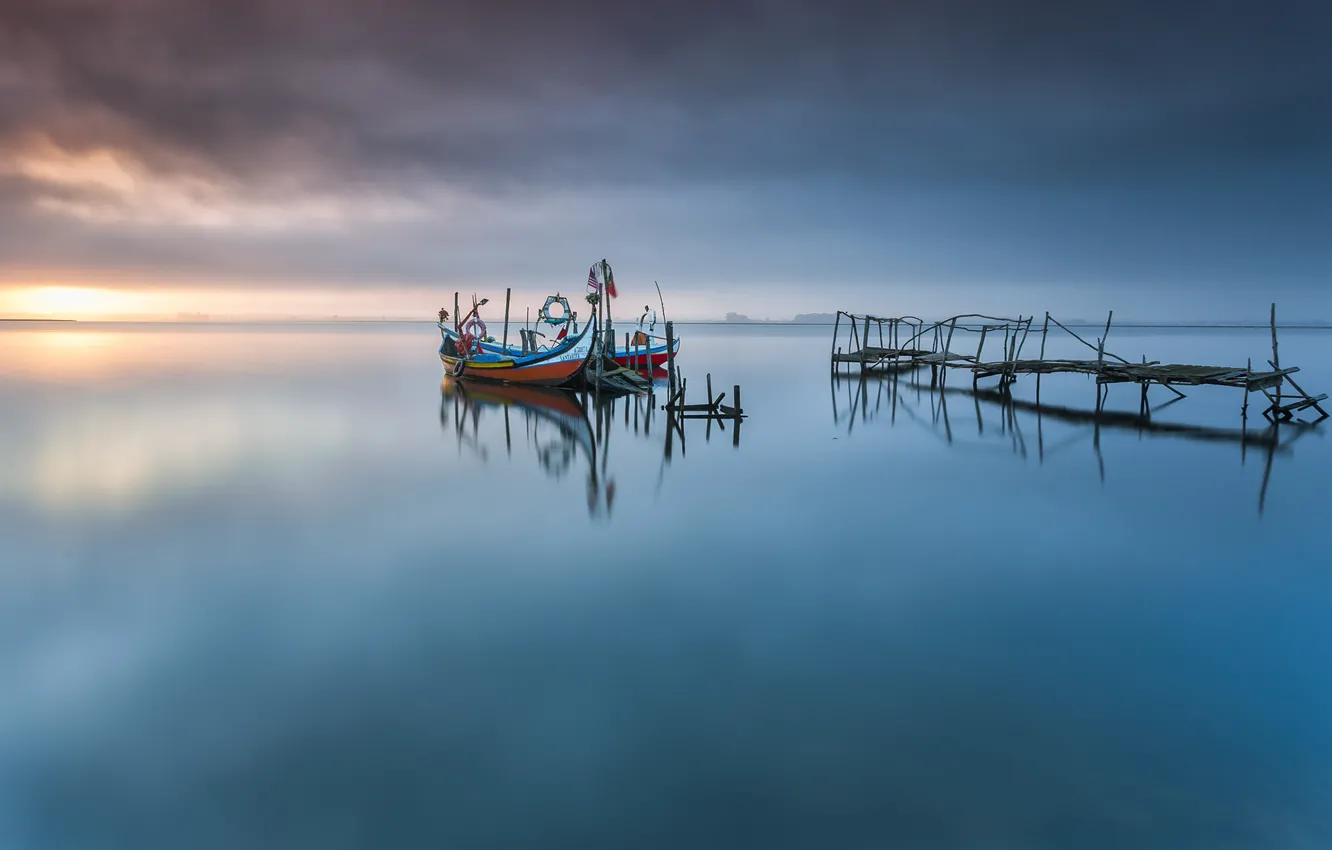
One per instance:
(566, 432)
(999, 420)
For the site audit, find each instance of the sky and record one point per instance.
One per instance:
(261, 158)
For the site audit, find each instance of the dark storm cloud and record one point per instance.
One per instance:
(858, 115)
(492, 91)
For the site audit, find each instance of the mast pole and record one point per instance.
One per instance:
(507, 292)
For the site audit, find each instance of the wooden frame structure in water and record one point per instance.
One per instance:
(911, 342)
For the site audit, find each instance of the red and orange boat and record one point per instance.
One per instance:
(467, 355)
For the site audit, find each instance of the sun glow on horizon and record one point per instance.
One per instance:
(73, 302)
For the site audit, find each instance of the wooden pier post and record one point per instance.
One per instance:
(456, 317)
(864, 344)
(837, 324)
(1045, 332)
(735, 436)
(1276, 364)
(507, 293)
(1248, 372)
(947, 353)
(670, 357)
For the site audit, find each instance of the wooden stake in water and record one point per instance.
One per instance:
(837, 323)
(1276, 364)
(507, 293)
(670, 357)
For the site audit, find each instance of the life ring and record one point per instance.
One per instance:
(544, 313)
(474, 327)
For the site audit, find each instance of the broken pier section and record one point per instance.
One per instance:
(874, 343)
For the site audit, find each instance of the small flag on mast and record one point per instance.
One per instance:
(592, 279)
(610, 283)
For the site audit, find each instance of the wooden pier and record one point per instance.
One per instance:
(908, 342)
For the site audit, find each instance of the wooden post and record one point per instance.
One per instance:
(670, 357)
(1106, 335)
(947, 353)
(1244, 413)
(507, 293)
(710, 392)
(735, 435)
(1276, 364)
(864, 343)
(1248, 371)
(1045, 332)
(456, 318)
(837, 323)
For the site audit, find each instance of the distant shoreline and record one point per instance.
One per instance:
(630, 322)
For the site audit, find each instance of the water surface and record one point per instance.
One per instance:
(282, 586)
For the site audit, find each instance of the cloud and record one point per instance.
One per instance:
(446, 125)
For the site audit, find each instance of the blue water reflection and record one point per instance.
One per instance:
(280, 587)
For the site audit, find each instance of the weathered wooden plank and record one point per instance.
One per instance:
(1302, 404)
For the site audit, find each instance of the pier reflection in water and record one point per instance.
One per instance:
(1020, 425)
(566, 434)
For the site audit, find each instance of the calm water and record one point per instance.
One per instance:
(278, 587)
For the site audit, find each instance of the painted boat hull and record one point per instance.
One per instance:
(556, 367)
(656, 355)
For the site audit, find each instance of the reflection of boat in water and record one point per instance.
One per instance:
(566, 431)
(556, 419)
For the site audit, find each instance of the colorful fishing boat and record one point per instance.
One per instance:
(467, 354)
(645, 352)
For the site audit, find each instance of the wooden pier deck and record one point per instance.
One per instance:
(895, 354)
